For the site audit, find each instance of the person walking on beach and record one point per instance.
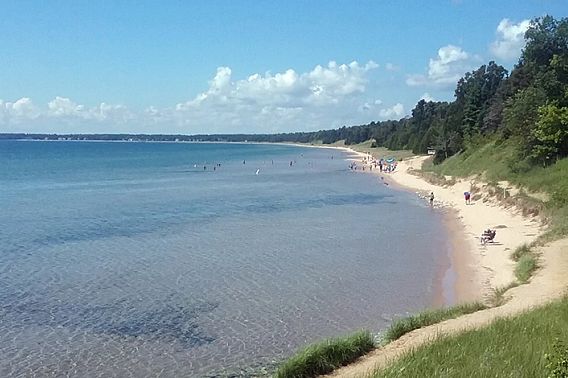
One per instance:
(431, 198)
(467, 196)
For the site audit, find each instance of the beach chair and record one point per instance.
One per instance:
(487, 236)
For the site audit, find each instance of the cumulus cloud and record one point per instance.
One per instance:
(321, 85)
(450, 64)
(326, 96)
(61, 109)
(311, 98)
(395, 111)
(510, 39)
(20, 110)
(61, 106)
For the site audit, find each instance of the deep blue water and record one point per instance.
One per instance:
(122, 259)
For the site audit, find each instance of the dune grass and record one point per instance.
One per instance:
(425, 318)
(324, 357)
(544, 190)
(520, 252)
(511, 347)
(497, 161)
(525, 267)
(498, 298)
(526, 262)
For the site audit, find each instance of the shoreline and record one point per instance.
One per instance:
(486, 268)
(465, 288)
(491, 266)
(457, 280)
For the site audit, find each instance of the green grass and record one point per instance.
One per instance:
(520, 252)
(497, 162)
(513, 347)
(490, 159)
(324, 357)
(558, 226)
(525, 267)
(526, 262)
(425, 318)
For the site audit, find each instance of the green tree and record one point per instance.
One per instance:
(551, 133)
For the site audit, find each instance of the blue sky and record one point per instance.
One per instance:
(242, 66)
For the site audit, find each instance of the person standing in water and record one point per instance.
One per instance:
(431, 198)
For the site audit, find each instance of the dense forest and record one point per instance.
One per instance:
(527, 107)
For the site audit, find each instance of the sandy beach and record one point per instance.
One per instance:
(479, 269)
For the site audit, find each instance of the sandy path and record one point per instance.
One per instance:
(492, 266)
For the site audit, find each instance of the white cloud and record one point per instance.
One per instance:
(446, 69)
(61, 106)
(20, 110)
(426, 97)
(62, 110)
(324, 97)
(221, 80)
(510, 39)
(107, 112)
(395, 111)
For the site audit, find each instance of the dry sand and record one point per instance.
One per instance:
(488, 267)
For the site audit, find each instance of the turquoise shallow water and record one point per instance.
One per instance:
(121, 259)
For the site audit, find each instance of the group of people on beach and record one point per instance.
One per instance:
(383, 165)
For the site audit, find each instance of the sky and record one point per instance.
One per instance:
(243, 66)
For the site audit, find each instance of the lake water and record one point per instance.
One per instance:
(131, 259)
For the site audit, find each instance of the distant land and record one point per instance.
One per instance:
(287, 137)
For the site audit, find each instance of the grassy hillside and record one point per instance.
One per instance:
(495, 163)
(514, 347)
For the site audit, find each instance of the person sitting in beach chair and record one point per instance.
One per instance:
(487, 236)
